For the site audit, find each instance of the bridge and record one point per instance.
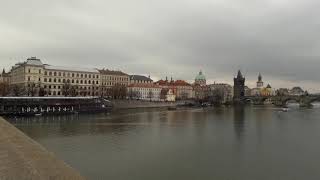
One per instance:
(281, 101)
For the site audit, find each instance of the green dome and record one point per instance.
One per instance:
(200, 76)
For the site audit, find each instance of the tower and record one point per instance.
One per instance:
(239, 88)
(259, 82)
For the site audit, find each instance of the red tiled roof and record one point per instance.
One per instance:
(149, 85)
(181, 83)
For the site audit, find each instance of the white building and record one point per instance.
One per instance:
(150, 92)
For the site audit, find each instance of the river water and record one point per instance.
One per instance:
(234, 143)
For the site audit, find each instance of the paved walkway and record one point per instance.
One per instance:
(21, 158)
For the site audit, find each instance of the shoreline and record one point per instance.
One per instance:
(23, 158)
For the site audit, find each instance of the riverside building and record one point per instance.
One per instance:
(35, 78)
(150, 92)
(110, 79)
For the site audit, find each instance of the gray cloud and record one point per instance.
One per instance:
(170, 37)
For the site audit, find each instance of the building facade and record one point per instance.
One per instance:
(148, 92)
(5, 77)
(223, 90)
(110, 79)
(184, 90)
(139, 79)
(38, 79)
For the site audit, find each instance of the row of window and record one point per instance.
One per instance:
(111, 78)
(59, 93)
(60, 87)
(140, 81)
(55, 80)
(64, 74)
(112, 83)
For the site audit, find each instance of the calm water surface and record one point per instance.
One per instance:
(251, 143)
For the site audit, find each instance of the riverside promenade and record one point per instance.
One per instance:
(23, 158)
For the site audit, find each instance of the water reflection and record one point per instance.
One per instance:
(212, 143)
(239, 120)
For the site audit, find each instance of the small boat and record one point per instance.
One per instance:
(285, 109)
(172, 108)
(38, 114)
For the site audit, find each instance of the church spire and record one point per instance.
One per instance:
(3, 71)
(259, 77)
(239, 74)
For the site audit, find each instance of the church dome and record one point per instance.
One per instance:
(200, 76)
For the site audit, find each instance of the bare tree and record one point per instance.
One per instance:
(32, 89)
(150, 94)
(184, 95)
(217, 96)
(66, 88)
(4, 89)
(16, 90)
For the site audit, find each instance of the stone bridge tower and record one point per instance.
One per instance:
(239, 87)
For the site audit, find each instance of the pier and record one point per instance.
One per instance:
(52, 105)
(23, 158)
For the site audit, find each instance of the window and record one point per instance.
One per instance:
(85, 81)
(39, 71)
(54, 80)
(45, 79)
(59, 73)
(81, 75)
(29, 70)
(72, 74)
(81, 81)
(72, 81)
(77, 75)
(97, 82)
(89, 75)
(45, 73)
(77, 81)
(85, 75)
(63, 80)
(49, 79)
(39, 79)
(97, 76)
(59, 80)
(50, 73)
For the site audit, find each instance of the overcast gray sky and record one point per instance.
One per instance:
(279, 38)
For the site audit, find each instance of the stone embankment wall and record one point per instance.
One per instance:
(23, 158)
(131, 104)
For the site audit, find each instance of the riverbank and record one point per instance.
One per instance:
(132, 104)
(23, 158)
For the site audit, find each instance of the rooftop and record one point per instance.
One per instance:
(140, 78)
(75, 69)
(34, 61)
(111, 72)
(144, 85)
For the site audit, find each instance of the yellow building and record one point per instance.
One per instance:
(35, 78)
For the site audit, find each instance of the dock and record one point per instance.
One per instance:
(23, 158)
